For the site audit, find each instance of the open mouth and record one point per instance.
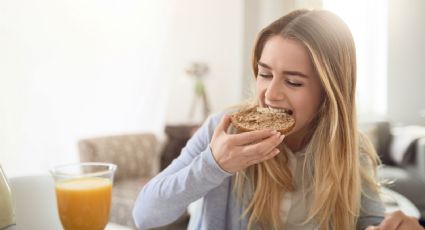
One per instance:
(276, 110)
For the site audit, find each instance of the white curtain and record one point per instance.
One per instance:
(77, 69)
(368, 23)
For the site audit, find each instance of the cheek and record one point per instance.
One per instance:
(260, 88)
(306, 107)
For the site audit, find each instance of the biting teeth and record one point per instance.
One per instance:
(272, 110)
(277, 110)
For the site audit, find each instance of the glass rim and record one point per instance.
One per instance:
(55, 170)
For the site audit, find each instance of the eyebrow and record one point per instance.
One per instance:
(297, 73)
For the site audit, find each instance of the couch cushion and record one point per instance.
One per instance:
(129, 188)
(379, 133)
(124, 194)
(405, 183)
(134, 154)
(177, 136)
(403, 146)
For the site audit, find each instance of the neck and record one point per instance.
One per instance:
(293, 143)
(297, 141)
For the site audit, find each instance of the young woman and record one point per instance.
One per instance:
(321, 175)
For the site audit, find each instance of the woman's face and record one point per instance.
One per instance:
(287, 80)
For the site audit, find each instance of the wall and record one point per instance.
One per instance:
(212, 32)
(257, 15)
(406, 55)
(76, 69)
(70, 70)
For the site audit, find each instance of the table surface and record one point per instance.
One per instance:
(112, 226)
(35, 203)
(36, 209)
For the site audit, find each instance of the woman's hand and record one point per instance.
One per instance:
(234, 152)
(397, 221)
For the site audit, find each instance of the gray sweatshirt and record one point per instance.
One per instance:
(195, 174)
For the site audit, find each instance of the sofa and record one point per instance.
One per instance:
(139, 157)
(402, 152)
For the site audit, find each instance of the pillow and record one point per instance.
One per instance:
(177, 137)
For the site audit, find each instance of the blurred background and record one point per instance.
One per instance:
(129, 82)
(76, 69)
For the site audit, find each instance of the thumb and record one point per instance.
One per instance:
(372, 228)
(224, 123)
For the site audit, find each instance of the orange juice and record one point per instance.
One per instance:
(84, 203)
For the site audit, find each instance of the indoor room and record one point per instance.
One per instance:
(135, 92)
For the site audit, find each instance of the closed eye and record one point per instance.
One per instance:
(293, 84)
(265, 75)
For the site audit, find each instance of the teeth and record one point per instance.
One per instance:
(277, 110)
(263, 110)
(272, 110)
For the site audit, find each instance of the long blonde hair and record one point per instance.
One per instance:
(334, 165)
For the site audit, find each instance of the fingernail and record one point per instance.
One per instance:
(372, 228)
(274, 132)
(276, 151)
(281, 137)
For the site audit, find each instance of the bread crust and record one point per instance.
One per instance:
(256, 118)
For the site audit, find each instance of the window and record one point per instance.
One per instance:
(367, 21)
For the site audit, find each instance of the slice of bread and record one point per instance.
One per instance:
(257, 118)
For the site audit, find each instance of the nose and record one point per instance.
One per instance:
(275, 91)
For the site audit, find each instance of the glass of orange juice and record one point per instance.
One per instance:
(83, 194)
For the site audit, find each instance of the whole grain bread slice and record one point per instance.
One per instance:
(256, 118)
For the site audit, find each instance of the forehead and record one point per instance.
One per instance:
(286, 54)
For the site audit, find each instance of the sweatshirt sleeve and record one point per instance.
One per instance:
(188, 178)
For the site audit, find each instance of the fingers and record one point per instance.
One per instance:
(397, 221)
(262, 148)
(224, 124)
(253, 136)
(268, 156)
(392, 221)
(256, 154)
(234, 152)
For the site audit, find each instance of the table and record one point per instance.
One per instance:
(35, 203)
(112, 226)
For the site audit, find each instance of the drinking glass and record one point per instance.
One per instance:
(83, 194)
(7, 212)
